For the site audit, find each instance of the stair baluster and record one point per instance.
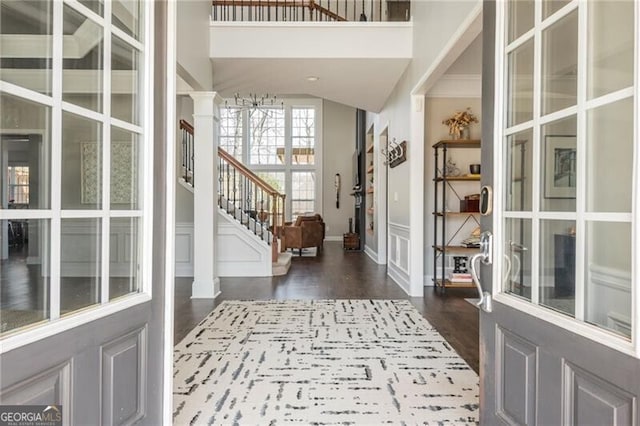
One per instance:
(241, 193)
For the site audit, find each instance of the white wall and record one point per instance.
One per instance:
(437, 25)
(434, 24)
(193, 43)
(339, 134)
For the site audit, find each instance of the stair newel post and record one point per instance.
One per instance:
(203, 151)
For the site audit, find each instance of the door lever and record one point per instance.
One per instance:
(485, 256)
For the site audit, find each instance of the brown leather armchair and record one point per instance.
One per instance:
(308, 231)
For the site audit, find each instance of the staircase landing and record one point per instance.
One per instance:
(281, 267)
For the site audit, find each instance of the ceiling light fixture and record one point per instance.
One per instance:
(313, 78)
(253, 101)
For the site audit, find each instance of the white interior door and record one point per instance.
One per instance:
(561, 344)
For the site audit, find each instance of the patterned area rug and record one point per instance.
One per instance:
(320, 362)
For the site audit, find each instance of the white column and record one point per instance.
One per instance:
(206, 284)
(415, 155)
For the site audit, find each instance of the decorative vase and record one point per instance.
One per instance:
(466, 133)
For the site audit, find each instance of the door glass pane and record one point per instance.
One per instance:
(610, 157)
(125, 170)
(82, 63)
(80, 267)
(558, 169)
(124, 258)
(231, 131)
(126, 16)
(81, 163)
(558, 265)
(516, 275)
(303, 193)
(266, 137)
(549, 7)
(303, 125)
(519, 171)
(25, 154)
(95, 5)
(610, 47)
(27, 65)
(520, 91)
(608, 276)
(560, 64)
(24, 273)
(520, 18)
(125, 79)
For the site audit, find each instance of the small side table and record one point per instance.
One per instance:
(351, 241)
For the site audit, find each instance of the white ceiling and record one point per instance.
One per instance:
(361, 83)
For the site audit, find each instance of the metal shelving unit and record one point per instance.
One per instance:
(442, 186)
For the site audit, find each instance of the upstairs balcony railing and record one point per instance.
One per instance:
(310, 10)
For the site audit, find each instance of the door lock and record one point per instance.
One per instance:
(486, 200)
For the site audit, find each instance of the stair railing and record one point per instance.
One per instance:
(288, 10)
(186, 132)
(245, 195)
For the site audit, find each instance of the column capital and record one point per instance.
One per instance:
(205, 103)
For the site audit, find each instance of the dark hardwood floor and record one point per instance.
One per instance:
(336, 274)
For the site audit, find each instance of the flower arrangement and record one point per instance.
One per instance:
(460, 121)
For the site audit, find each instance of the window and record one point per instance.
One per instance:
(303, 190)
(73, 217)
(567, 235)
(281, 145)
(266, 136)
(18, 190)
(303, 127)
(231, 131)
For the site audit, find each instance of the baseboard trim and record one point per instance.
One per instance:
(372, 254)
(428, 280)
(333, 238)
(397, 276)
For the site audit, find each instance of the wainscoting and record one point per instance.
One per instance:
(184, 249)
(240, 253)
(608, 298)
(399, 254)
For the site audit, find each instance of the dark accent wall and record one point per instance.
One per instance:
(360, 211)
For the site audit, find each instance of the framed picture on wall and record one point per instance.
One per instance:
(560, 166)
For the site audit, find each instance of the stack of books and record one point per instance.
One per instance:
(458, 277)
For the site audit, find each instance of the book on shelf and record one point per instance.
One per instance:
(460, 277)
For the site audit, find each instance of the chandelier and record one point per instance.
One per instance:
(255, 101)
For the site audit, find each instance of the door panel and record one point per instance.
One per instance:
(516, 396)
(549, 376)
(593, 401)
(123, 391)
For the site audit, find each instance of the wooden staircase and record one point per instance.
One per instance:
(244, 196)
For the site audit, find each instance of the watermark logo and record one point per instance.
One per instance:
(30, 415)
